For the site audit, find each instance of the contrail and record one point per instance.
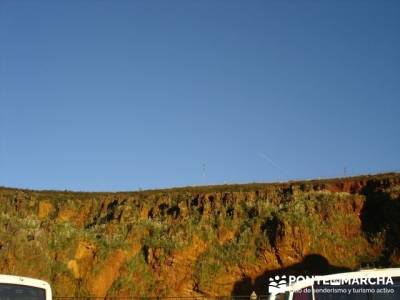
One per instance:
(268, 159)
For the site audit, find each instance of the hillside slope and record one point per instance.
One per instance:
(217, 240)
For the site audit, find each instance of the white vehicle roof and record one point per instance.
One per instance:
(10, 279)
(26, 281)
(371, 273)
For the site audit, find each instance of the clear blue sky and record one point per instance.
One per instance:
(122, 95)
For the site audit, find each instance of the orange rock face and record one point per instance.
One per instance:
(216, 241)
(99, 284)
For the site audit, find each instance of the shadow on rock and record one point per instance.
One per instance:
(380, 218)
(312, 264)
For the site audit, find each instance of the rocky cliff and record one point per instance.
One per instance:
(216, 240)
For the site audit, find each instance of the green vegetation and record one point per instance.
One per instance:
(198, 234)
(137, 279)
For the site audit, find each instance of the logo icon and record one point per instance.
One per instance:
(276, 283)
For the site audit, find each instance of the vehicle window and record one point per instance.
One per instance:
(21, 292)
(387, 292)
(284, 296)
(341, 292)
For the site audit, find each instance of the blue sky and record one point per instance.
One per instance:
(122, 95)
